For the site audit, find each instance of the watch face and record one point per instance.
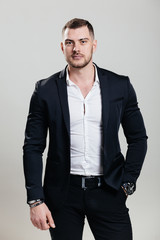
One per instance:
(129, 188)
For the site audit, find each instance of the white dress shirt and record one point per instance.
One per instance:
(85, 129)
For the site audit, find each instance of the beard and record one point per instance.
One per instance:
(79, 63)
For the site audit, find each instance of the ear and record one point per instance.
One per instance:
(62, 48)
(94, 45)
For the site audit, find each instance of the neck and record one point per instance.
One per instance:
(83, 75)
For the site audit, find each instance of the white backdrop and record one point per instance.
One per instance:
(128, 34)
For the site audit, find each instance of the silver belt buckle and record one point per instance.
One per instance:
(84, 181)
(84, 178)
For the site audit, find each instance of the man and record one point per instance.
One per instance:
(86, 174)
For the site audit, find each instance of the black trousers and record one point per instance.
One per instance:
(104, 209)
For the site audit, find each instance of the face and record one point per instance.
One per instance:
(78, 47)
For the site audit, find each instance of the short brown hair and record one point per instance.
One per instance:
(77, 23)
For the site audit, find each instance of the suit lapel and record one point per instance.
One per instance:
(104, 85)
(62, 89)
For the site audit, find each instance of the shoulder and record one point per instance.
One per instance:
(48, 86)
(116, 83)
(110, 75)
(49, 83)
(46, 82)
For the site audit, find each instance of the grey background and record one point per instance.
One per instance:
(128, 35)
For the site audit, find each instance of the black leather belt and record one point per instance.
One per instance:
(85, 182)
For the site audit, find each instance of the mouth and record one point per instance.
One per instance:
(77, 57)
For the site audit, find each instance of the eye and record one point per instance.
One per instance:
(68, 43)
(83, 41)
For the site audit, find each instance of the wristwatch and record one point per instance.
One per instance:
(129, 188)
(34, 201)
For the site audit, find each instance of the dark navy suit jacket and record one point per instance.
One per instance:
(49, 112)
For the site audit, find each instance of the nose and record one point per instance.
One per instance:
(76, 47)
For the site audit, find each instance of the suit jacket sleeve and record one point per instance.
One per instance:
(135, 133)
(34, 145)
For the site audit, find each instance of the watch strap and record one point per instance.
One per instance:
(33, 201)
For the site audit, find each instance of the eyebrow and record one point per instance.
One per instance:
(81, 39)
(84, 39)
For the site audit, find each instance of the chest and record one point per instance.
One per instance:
(87, 108)
(85, 90)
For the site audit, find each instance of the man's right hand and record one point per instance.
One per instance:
(41, 217)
